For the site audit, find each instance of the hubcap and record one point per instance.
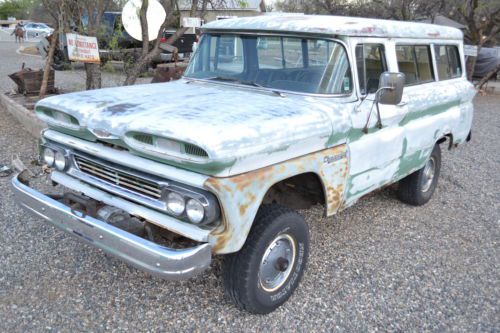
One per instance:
(428, 174)
(277, 262)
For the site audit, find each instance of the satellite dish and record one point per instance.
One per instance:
(132, 23)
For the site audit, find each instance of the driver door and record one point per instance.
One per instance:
(375, 155)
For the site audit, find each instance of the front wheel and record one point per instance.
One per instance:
(266, 271)
(417, 188)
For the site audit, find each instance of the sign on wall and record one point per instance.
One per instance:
(191, 22)
(83, 48)
(470, 50)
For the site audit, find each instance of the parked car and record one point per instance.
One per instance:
(274, 114)
(34, 30)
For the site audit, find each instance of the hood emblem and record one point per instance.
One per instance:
(102, 134)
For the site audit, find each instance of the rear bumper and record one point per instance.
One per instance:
(158, 260)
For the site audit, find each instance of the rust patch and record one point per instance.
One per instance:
(222, 240)
(214, 184)
(239, 193)
(334, 199)
(243, 209)
(244, 180)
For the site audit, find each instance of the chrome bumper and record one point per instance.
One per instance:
(166, 263)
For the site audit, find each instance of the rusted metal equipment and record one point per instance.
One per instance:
(29, 81)
(169, 72)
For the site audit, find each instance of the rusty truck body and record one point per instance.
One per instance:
(273, 114)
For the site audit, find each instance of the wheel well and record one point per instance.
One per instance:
(297, 192)
(448, 137)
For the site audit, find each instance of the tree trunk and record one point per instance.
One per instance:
(469, 66)
(48, 64)
(488, 77)
(148, 55)
(93, 74)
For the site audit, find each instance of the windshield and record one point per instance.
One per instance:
(295, 64)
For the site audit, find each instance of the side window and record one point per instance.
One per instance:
(318, 52)
(454, 61)
(293, 52)
(370, 61)
(227, 54)
(407, 63)
(415, 62)
(448, 61)
(269, 52)
(424, 64)
(280, 52)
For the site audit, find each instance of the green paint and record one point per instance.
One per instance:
(409, 163)
(335, 138)
(208, 168)
(433, 110)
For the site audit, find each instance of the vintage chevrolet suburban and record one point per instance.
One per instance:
(274, 114)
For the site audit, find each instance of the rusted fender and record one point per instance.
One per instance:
(240, 196)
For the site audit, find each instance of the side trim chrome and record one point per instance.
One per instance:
(164, 262)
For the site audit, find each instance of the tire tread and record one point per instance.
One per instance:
(237, 271)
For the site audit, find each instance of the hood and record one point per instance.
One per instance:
(228, 122)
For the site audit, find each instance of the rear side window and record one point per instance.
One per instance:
(370, 61)
(447, 61)
(415, 62)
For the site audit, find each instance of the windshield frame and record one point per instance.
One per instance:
(278, 34)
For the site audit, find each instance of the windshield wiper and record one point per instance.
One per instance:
(247, 83)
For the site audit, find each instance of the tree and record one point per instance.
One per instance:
(94, 9)
(152, 50)
(384, 9)
(56, 8)
(14, 8)
(148, 53)
(482, 19)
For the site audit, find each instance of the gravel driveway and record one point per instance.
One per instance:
(379, 265)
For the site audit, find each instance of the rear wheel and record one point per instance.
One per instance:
(417, 188)
(266, 271)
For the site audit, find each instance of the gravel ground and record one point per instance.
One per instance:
(378, 266)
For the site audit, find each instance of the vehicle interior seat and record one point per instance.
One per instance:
(409, 70)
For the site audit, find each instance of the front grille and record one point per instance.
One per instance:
(118, 178)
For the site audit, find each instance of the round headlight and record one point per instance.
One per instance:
(175, 203)
(48, 156)
(195, 211)
(60, 161)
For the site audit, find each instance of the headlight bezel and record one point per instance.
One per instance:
(209, 202)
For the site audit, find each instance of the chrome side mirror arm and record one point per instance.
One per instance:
(375, 102)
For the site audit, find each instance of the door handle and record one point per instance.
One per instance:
(401, 104)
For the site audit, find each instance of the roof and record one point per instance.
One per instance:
(336, 25)
(443, 20)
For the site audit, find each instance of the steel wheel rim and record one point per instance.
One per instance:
(277, 262)
(428, 174)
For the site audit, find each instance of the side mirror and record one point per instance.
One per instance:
(391, 88)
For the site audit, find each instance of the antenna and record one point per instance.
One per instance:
(132, 23)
